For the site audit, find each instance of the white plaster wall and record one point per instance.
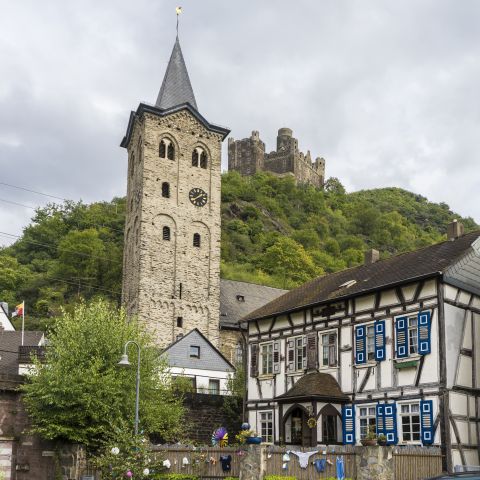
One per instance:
(464, 374)
(202, 377)
(458, 403)
(471, 457)
(429, 289)
(476, 346)
(364, 303)
(431, 366)
(450, 293)
(454, 318)
(409, 291)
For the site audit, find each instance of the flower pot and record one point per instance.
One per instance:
(382, 443)
(369, 442)
(253, 440)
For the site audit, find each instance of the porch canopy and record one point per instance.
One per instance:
(314, 386)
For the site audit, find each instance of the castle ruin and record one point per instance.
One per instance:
(248, 156)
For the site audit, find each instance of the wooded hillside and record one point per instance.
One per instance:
(273, 233)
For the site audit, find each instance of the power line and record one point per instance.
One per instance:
(32, 191)
(76, 252)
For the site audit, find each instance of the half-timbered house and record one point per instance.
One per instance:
(391, 346)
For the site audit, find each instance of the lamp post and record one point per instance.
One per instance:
(124, 362)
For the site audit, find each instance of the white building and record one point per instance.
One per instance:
(391, 345)
(193, 356)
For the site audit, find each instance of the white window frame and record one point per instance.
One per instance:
(335, 345)
(370, 342)
(299, 348)
(401, 415)
(215, 381)
(369, 416)
(412, 349)
(261, 356)
(269, 422)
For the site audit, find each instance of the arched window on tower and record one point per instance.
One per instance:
(166, 233)
(195, 158)
(203, 160)
(165, 190)
(196, 240)
(162, 149)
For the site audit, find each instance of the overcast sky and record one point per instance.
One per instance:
(386, 91)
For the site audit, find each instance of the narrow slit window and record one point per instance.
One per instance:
(180, 322)
(195, 158)
(203, 160)
(165, 190)
(162, 150)
(196, 240)
(171, 151)
(166, 233)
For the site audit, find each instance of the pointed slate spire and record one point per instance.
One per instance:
(176, 88)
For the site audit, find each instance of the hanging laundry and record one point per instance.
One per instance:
(340, 469)
(185, 462)
(303, 457)
(167, 463)
(286, 457)
(213, 461)
(285, 466)
(226, 460)
(320, 465)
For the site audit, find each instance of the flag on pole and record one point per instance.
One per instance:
(178, 10)
(19, 310)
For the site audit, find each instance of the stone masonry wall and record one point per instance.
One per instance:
(24, 456)
(173, 283)
(247, 156)
(229, 339)
(207, 413)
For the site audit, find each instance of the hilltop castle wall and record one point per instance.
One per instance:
(247, 156)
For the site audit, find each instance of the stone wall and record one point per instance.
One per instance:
(208, 412)
(24, 456)
(229, 339)
(247, 156)
(374, 463)
(173, 285)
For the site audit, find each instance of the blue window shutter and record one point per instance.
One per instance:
(426, 420)
(401, 331)
(361, 345)
(424, 327)
(380, 340)
(390, 423)
(348, 424)
(380, 420)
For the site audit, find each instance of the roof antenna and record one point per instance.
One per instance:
(179, 11)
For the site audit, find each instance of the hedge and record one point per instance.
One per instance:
(175, 476)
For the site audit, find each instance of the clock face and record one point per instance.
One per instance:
(198, 197)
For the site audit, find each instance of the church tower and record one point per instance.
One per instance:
(171, 268)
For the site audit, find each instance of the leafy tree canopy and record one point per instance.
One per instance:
(80, 394)
(273, 233)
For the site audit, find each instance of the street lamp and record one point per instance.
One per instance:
(124, 362)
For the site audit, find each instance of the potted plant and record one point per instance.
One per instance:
(371, 437)
(382, 440)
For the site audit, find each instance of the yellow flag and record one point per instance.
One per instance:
(178, 10)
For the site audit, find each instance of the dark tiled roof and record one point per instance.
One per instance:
(316, 384)
(237, 299)
(421, 263)
(176, 88)
(9, 343)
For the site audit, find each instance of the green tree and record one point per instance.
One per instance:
(81, 395)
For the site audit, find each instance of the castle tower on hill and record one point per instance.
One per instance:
(171, 271)
(248, 156)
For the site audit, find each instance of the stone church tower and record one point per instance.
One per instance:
(171, 268)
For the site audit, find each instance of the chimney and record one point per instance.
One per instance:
(372, 256)
(454, 230)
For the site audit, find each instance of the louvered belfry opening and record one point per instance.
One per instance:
(166, 233)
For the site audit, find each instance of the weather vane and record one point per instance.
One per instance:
(179, 11)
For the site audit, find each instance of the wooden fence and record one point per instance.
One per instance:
(416, 463)
(203, 462)
(409, 463)
(274, 462)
